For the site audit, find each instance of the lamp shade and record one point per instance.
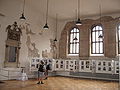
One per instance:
(100, 36)
(55, 40)
(78, 22)
(75, 38)
(46, 26)
(22, 17)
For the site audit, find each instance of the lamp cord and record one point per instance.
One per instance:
(100, 10)
(47, 11)
(23, 6)
(78, 9)
(56, 26)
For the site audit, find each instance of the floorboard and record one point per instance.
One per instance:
(60, 83)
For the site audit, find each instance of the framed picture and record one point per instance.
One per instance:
(104, 68)
(104, 63)
(109, 69)
(66, 66)
(33, 60)
(67, 62)
(99, 63)
(82, 62)
(109, 63)
(56, 65)
(82, 67)
(37, 60)
(33, 65)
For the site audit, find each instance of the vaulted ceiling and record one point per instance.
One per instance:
(67, 9)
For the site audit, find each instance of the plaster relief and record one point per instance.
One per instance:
(32, 50)
(53, 50)
(28, 29)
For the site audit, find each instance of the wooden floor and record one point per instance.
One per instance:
(60, 83)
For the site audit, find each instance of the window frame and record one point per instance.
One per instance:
(118, 38)
(97, 42)
(69, 42)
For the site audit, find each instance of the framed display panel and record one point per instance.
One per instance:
(116, 67)
(34, 63)
(67, 65)
(85, 65)
(59, 65)
(73, 65)
(104, 66)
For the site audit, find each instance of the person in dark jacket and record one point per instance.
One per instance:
(47, 68)
(41, 71)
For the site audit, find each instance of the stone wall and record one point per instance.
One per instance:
(109, 29)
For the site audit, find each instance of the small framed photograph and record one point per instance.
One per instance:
(33, 65)
(109, 63)
(75, 67)
(61, 66)
(104, 63)
(99, 68)
(109, 69)
(117, 71)
(66, 66)
(82, 62)
(71, 61)
(61, 62)
(33, 60)
(82, 67)
(67, 62)
(37, 60)
(57, 61)
(99, 63)
(57, 66)
(37, 65)
(104, 68)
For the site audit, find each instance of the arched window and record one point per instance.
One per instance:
(97, 40)
(74, 42)
(119, 39)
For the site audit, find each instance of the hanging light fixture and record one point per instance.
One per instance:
(56, 29)
(75, 39)
(78, 22)
(23, 17)
(46, 26)
(100, 35)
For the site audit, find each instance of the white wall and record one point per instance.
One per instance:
(12, 10)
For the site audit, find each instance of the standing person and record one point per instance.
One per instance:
(41, 70)
(47, 69)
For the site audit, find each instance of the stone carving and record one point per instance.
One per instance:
(32, 52)
(45, 54)
(52, 45)
(14, 32)
(28, 29)
(53, 50)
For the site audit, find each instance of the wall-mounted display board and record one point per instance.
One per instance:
(34, 64)
(71, 65)
(116, 66)
(104, 66)
(59, 65)
(93, 66)
(85, 65)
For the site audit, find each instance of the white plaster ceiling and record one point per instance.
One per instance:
(67, 9)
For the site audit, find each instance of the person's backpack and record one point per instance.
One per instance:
(41, 68)
(48, 67)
